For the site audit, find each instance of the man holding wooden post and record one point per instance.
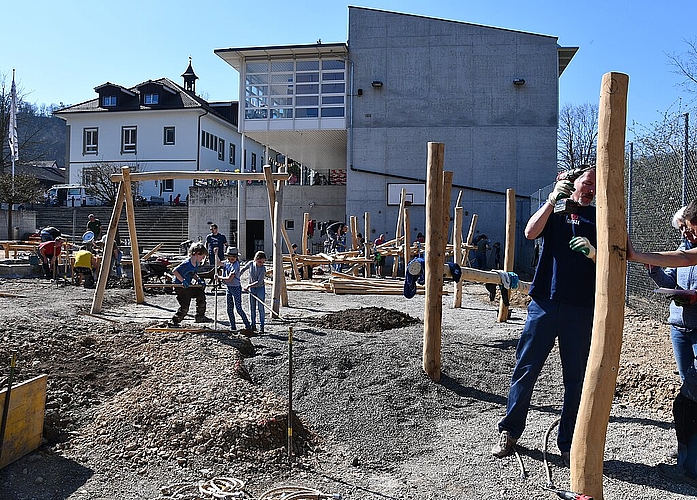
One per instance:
(563, 297)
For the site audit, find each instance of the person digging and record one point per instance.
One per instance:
(192, 287)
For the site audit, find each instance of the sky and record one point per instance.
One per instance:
(61, 51)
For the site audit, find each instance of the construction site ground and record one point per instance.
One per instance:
(136, 414)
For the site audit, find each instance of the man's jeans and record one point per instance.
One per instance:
(547, 320)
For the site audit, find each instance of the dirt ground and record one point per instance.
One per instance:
(133, 414)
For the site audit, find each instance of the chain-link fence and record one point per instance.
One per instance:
(656, 186)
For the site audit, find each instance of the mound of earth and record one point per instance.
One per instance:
(366, 319)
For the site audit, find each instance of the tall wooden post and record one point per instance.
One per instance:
(304, 250)
(398, 230)
(509, 252)
(470, 237)
(108, 250)
(435, 259)
(368, 242)
(131, 219)
(611, 267)
(447, 188)
(276, 289)
(457, 253)
(407, 242)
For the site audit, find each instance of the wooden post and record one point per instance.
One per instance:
(447, 188)
(470, 237)
(611, 267)
(407, 242)
(304, 250)
(274, 193)
(368, 242)
(398, 229)
(353, 224)
(277, 286)
(108, 250)
(435, 258)
(457, 252)
(132, 233)
(504, 312)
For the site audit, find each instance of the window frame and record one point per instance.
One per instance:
(151, 99)
(165, 141)
(167, 185)
(233, 152)
(90, 141)
(129, 139)
(221, 149)
(109, 101)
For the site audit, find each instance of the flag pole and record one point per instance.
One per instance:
(12, 132)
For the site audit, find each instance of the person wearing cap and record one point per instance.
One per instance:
(185, 274)
(231, 278)
(256, 289)
(49, 251)
(94, 225)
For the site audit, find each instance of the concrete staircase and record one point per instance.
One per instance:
(154, 225)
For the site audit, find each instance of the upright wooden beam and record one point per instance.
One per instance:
(435, 258)
(407, 242)
(447, 188)
(470, 237)
(353, 224)
(368, 241)
(509, 252)
(457, 252)
(108, 250)
(398, 229)
(611, 267)
(274, 191)
(133, 234)
(277, 257)
(304, 250)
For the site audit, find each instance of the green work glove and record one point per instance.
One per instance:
(581, 244)
(562, 189)
(682, 301)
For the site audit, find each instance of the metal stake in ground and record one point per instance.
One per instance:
(290, 393)
(216, 282)
(6, 406)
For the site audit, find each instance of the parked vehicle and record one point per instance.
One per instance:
(70, 195)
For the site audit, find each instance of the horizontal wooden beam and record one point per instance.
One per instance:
(199, 174)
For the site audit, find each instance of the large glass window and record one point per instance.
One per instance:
(301, 88)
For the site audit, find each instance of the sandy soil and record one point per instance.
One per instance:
(133, 414)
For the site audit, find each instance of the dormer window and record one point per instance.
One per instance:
(150, 99)
(109, 101)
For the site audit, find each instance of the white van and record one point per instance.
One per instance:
(70, 195)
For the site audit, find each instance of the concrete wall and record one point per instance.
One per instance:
(450, 82)
(219, 205)
(25, 220)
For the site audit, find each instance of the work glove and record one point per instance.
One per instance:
(562, 189)
(682, 301)
(186, 283)
(581, 244)
(201, 282)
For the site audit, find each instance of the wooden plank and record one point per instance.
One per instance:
(149, 254)
(25, 419)
(198, 174)
(158, 329)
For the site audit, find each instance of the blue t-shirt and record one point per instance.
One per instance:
(564, 274)
(232, 269)
(187, 269)
(216, 241)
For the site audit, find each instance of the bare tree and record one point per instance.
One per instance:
(685, 65)
(577, 135)
(666, 136)
(97, 178)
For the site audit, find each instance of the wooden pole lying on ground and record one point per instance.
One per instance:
(434, 261)
(588, 444)
(504, 311)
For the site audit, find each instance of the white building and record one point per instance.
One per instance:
(156, 125)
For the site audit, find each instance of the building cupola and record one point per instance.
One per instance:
(190, 78)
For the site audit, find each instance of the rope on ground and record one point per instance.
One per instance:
(297, 493)
(216, 488)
